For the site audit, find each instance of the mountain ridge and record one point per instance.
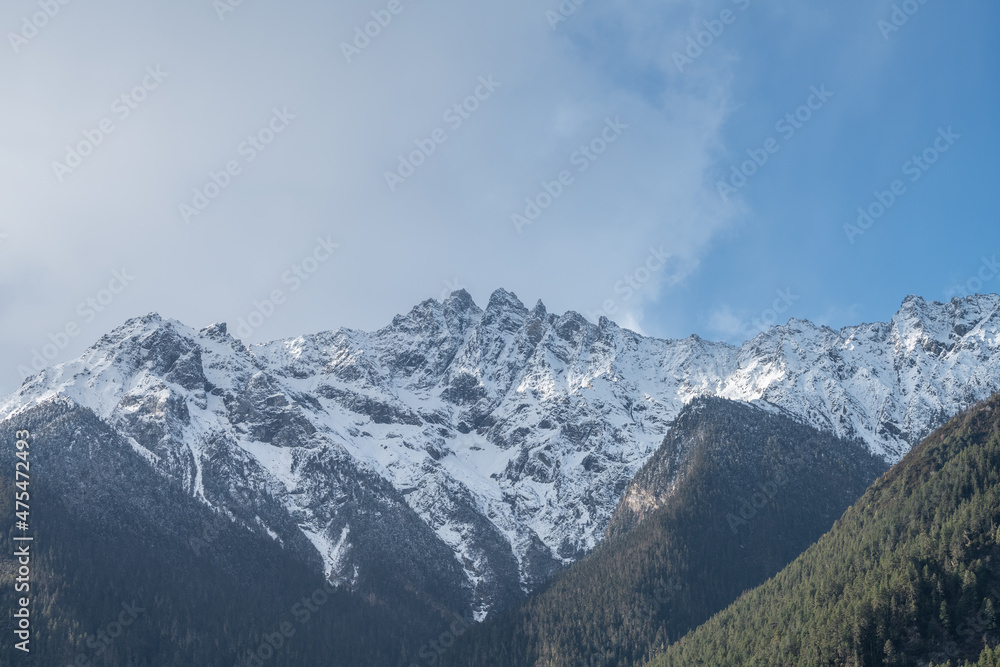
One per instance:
(510, 434)
(909, 575)
(742, 491)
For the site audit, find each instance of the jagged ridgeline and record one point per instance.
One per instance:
(733, 494)
(909, 575)
(453, 461)
(466, 454)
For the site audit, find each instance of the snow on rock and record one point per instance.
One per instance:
(511, 433)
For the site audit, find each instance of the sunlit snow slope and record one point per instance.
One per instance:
(506, 437)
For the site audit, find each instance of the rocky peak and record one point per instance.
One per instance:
(512, 434)
(504, 312)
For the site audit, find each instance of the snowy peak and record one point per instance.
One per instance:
(938, 327)
(499, 439)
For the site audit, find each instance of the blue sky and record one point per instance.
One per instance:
(938, 70)
(310, 127)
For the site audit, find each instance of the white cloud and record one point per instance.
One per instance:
(726, 323)
(325, 174)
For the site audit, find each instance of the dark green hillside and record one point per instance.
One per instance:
(198, 590)
(989, 658)
(733, 495)
(910, 574)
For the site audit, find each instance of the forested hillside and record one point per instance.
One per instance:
(126, 569)
(736, 493)
(910, 574)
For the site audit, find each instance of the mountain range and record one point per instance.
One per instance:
(909, 575)
(464, 455)
(732, 496)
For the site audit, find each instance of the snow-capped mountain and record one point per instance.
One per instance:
(492, 445)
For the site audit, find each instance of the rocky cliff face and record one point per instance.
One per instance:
(476, 451)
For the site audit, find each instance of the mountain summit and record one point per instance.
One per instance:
(475, 452)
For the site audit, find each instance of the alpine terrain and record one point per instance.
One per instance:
(461, 455)
(910, 575)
